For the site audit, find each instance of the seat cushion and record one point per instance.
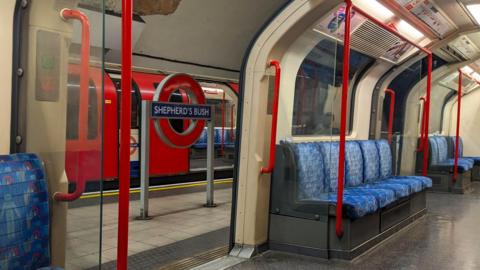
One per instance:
(354, 206)
(401, 190)
(414, 185)
(462, 164)
(476, 160)
(384, 197)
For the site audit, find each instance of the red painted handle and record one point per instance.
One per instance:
(273, 134)
(232, 135)
(422, 126)
(67, 14)
(390, 117)
(457, 135)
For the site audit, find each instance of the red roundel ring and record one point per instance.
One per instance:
(163, 127)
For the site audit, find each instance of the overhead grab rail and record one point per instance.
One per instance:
(273, 134)
(422, 126)
(68, 14)
(343, 118)
(459, 108)
(391, 113)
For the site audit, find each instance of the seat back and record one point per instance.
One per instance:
(433, 150)
(24, 213)
(385, 155)
(371, 161)
(353, 164)
(330, 151)
(309, 170)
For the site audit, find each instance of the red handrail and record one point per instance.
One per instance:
(391, 114)
(125, 121)
(273, 134)
(232, 135)
(427, 114)
(67, 14)
(343, 119)
(223, 125)
(422, 126)
(457, 135)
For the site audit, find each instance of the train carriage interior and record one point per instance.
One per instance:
(222, 134)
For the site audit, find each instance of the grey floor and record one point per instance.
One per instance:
(447, 238)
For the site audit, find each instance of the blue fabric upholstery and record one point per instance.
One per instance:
(385, 154)
(438, 146)
(310, 170)
(400, 190)
(383, 197)
(24, 213)
(353, 164)
(354, 206)
(330, 151)
(202, 142)
(433, 148)
(371, 161)
(414, 185)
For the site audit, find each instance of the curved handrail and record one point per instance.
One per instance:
(67, 14)
(273, 134)
(422, 126)
(391, 114)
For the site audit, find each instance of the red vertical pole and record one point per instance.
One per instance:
(223, 124)
(391, 114)
(343, 117)
(457, 135)
(427, 114)
(232, 135)
(125, 125)
(422, 126)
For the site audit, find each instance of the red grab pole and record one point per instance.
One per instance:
(273, 134)
(84, 92)
(427, 114)
(343, 117)
(223, 124)
(125, 125)
(391, 114)
(232, 135)
(457, 135)
(422, 127)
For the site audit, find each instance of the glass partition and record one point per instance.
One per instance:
(61, 120)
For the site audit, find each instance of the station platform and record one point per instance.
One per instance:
(444, 239)
(180, 228)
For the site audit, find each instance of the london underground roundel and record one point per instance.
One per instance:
(172, 85)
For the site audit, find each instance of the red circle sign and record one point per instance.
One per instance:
(163, 127)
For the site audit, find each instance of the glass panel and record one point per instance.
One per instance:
(62, 123)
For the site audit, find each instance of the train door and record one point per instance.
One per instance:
(59, 106)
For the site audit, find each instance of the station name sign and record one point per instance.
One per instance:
(181, 111)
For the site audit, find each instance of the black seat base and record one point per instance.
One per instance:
(443, 182)
(317, 237)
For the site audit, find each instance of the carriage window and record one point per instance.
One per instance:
(135, 119)
(73, 109)
(318, 89)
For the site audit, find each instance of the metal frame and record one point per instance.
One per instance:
(345, 80)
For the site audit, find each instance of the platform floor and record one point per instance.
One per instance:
(175, 218)
(447, 238)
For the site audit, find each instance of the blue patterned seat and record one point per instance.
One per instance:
(202, 141)
(317, 181)
(452, 142)
(372, 176)
(24, 213)
(439, 155)
(415, 183)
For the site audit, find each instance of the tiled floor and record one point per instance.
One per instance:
(175, 218)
